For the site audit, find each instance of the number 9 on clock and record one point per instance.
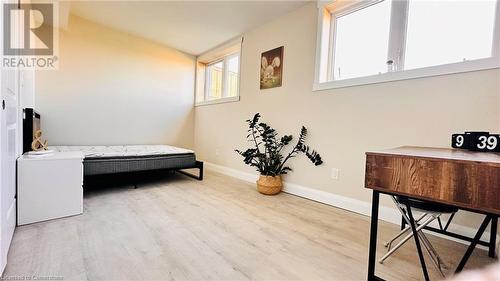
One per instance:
(459, 141)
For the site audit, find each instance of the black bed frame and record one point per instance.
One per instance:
(197, 165)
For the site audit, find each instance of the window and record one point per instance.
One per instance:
(233, 65)
(361, 41)
(214, 80)
(434, 40)
(221, 80)
(373, 41)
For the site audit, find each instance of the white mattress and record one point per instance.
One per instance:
(122, 150)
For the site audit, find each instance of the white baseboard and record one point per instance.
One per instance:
(353, 205)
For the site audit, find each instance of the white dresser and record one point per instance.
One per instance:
(49, 187)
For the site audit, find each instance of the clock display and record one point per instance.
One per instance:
(476, 141)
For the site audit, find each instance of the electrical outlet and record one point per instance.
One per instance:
(335, 173)
(217, 152)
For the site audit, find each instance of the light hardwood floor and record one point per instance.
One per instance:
(176, 228)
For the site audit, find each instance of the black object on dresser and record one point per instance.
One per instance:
(31, 123)
(476, 141)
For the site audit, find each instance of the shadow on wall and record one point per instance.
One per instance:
(115, 88)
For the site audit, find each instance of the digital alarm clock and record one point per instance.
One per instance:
(476, 141)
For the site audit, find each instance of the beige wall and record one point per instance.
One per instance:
(343, 123)
(114, 88)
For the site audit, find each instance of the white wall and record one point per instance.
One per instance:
(343, 123)
(115, 88)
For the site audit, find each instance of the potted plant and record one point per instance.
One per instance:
(266, 155)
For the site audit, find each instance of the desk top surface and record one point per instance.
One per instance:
(447, 154)
(466, 179)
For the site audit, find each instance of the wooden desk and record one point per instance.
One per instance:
(468, 180)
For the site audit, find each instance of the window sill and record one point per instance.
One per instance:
(218, 101)
(459, 67)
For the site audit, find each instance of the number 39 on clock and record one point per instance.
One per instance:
(487, 143)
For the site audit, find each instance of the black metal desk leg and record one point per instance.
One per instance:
(373, 237)
(417, 241)
(493, 237)
(473, 244)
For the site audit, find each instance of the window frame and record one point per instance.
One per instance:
(325, 60)
(207, 81)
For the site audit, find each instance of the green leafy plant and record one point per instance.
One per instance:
(266, 155)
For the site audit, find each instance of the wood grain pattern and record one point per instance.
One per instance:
(177, 228)
(465, 179)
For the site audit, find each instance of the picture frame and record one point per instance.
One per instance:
(271, 68)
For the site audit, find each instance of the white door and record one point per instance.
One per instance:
(8, 153)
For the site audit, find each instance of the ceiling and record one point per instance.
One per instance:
(189, 26)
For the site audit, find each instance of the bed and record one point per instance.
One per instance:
(100, 160)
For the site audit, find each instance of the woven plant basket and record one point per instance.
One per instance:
(269, 185)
